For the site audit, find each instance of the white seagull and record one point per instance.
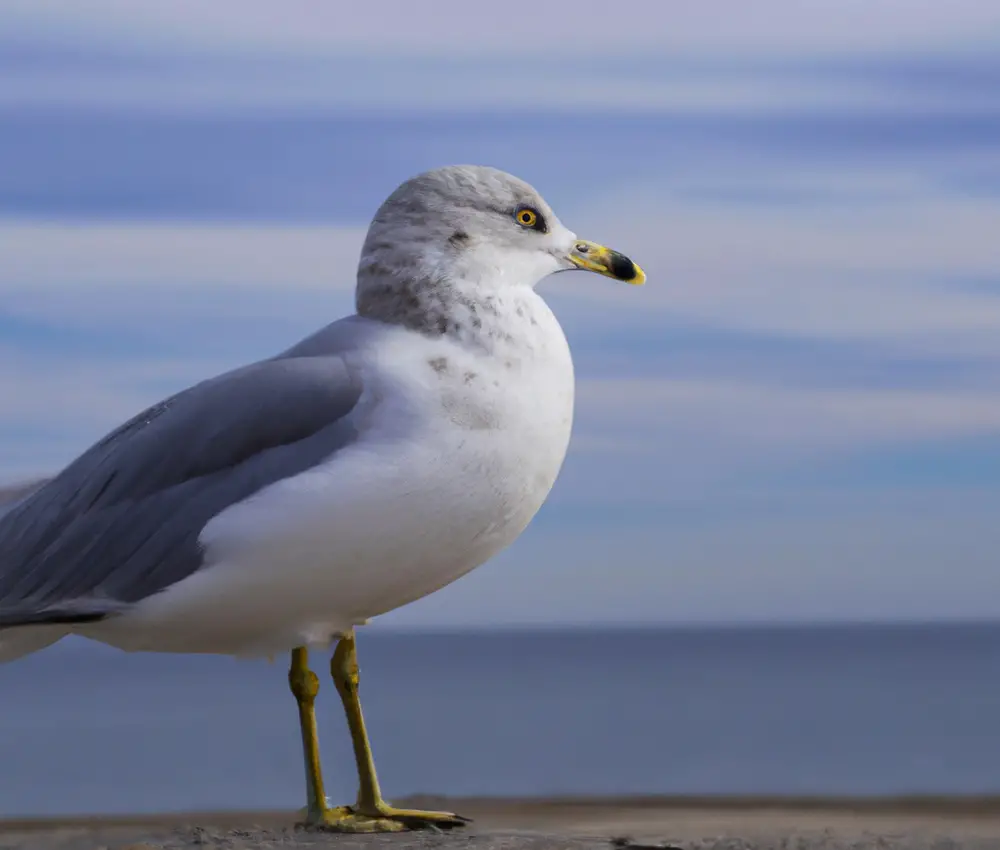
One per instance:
(278, 506)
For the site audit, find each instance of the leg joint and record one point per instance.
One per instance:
(344, 665)
(304, 684)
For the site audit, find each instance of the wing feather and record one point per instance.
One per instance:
(122, 521)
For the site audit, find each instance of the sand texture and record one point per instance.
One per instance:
(571, 824)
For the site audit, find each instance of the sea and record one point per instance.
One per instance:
(823, 710)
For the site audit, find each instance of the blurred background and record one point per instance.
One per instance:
(769, 564)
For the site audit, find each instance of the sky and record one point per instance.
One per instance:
(796, 419)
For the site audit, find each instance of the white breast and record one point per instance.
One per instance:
(459, 451)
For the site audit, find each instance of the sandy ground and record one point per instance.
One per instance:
(629, 824)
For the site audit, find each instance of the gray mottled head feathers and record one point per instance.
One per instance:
(447, 239)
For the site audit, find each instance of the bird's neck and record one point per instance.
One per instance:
(468, 312)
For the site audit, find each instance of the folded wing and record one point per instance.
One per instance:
(122, 521)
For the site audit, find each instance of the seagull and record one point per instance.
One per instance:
(276, 507)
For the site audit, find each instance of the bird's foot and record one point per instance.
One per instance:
(378, 817)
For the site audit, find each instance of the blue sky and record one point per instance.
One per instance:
(797, 418)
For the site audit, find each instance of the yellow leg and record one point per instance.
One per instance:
(371, 813)
(305, 685)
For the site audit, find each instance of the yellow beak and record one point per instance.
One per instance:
(597, 258)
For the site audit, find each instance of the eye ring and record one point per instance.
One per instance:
(526, 217)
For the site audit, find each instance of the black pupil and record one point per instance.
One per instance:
(526, 217)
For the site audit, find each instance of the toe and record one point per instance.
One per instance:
(381, 818)
(428, 820)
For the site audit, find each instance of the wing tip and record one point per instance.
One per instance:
(52, 615)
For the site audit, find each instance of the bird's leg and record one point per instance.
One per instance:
(304, 685)
(371, 813)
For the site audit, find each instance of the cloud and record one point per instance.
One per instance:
(885, 267)
(58, 255)
(778, 56)
(397, 26)
(682, 435)
(448, 83)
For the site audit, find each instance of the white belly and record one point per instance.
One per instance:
(386, 521)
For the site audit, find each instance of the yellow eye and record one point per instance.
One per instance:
(527, 217)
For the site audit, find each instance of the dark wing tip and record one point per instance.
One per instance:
(67, 614)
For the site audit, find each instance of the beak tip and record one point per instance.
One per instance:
(625, 270)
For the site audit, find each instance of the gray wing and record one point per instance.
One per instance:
(122, 521)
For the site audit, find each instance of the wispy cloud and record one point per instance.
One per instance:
(79, 255)
(704, 431)
(885, 266)
(398, 26)
(375, 82)
(776, 56)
